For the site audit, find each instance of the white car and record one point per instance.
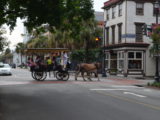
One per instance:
(5, 69)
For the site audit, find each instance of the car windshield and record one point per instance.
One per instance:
(4, 66)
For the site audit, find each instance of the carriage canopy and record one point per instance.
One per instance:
(45, 50)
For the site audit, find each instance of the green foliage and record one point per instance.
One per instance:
(3, 40)
(155, 49)
(154, 84)
(93, 55)
(6, 55)
(7, 51)
(65, 39)
(20, 47)
(54, 12)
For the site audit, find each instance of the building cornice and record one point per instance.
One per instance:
(110, 3)
(142, 45)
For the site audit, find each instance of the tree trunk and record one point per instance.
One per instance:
(21, 58)
(86, 51)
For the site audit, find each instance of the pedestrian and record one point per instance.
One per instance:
(31, 64)
(65, 59)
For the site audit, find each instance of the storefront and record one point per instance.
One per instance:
(126, 59)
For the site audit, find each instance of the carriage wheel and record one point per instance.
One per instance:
(39, 76)
(32, 73)
(62, 76)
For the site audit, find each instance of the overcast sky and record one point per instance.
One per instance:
(16, 37)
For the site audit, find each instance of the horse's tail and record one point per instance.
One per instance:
(77, 70)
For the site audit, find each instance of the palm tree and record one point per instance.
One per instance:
(20, 47)
(3, 40)
(88, 34)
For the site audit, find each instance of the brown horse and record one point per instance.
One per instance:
(88, 69)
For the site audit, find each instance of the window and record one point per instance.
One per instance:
(139, 32)
(107, 60)
(107, 36)
(119, 33)
(139, 8)
(107, 15)
(120, 10)
(113, 12)
(131, 55)
(113, 34)
(135, 60)
(121, 60)
(113, 59)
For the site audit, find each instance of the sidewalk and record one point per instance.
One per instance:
(133, 80)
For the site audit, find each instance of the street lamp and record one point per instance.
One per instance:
(104, 55)
(156, 11)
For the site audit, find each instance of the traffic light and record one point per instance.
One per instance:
(149, 30)
(144, 29)
(97, 39)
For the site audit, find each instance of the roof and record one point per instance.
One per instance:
(112, 2)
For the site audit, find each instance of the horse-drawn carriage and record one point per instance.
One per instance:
(39, 72)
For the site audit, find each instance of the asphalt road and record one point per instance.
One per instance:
(21, 98)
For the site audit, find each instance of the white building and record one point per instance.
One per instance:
(127, 49)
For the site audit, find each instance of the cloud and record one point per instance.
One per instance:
(15, 36)
(98, 4)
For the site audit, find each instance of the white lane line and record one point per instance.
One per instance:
(124, 86)
(147, 90)
(129, 93)
(107, 89)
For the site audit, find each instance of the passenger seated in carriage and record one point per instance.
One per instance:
(49, 64)
(31, 63)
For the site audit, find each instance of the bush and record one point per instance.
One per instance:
(154, 84)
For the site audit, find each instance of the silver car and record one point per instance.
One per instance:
(5, 69)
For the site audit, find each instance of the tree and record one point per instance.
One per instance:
(88, 33)
(155, 49)
(20, 49)
(6, 56)
(53, 12)
(3, 40)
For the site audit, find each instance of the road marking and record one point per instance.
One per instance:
(106, 89)
(129, 93)
(130, 100)
(125, 86)
(147, 90)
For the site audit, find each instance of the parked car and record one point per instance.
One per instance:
(1, 63)
(5, 69)
(13, 65)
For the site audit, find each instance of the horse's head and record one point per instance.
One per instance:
(98, 65)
